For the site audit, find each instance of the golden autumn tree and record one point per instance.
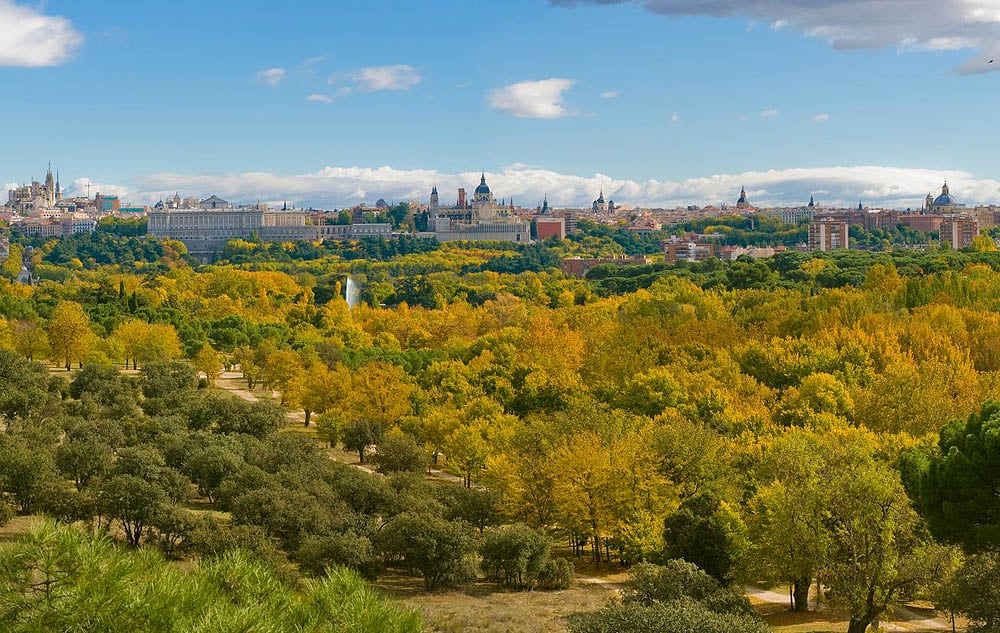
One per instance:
(70, 337)
(159, 345)
(209, 362)
(29, 339)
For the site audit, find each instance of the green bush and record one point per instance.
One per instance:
(679, 616)
(320, 553)
(514, 556)
(678, 580)
(558, 573)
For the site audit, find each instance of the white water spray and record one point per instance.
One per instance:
(351, 293)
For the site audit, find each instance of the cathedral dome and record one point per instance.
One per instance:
(945, 199)
(483, 188)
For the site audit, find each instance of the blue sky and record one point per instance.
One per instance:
(331, 103)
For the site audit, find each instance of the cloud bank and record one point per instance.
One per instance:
(28, 38)
(338, 187)
(908, 25)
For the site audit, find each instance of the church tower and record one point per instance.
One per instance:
(50, 188)
(743, 203)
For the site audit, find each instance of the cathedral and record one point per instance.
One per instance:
(602, 206)
(481, 219)
(31, 199)
(943, 204)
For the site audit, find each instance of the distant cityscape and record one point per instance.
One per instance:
(204, 225)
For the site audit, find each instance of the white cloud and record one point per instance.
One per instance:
(340, 186)
(378, 78)
(770, 113)
(675, 118)
(533, 99)
(310, 61)
(909, 25)
(318, 98)
(822, 117)
(29, 38)
(79, 188)
(271, 76)
(610, 94)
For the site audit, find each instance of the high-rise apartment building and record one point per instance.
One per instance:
(828, 235)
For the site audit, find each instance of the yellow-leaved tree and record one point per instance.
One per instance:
(70, 337)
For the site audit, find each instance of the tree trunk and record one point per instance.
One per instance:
(858, 625)
(361, 455)
(801, 594)
(308, 415)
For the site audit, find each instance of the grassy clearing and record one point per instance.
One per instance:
(483, 609)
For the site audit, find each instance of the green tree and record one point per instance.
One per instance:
(955, 486)
(358, 435)
(440, 550)
(976, 591)
(83, 459)
(161, 379)
(133, 502)
(398, 452)
(25, 471)
(516, 557)
(698, 533)
(209, 466)
(320, 553)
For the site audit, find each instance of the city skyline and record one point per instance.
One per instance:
(655, 103)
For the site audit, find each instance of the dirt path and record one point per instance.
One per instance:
(903, 618)
(766, 596)
(610, 585)
(907, 619)
(229, 381)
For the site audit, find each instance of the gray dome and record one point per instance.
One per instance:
(483, 188)
(945, 200)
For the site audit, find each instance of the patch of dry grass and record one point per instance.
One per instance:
(483, 609)
(17, 527)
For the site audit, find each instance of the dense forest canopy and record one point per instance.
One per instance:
(812, 419)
